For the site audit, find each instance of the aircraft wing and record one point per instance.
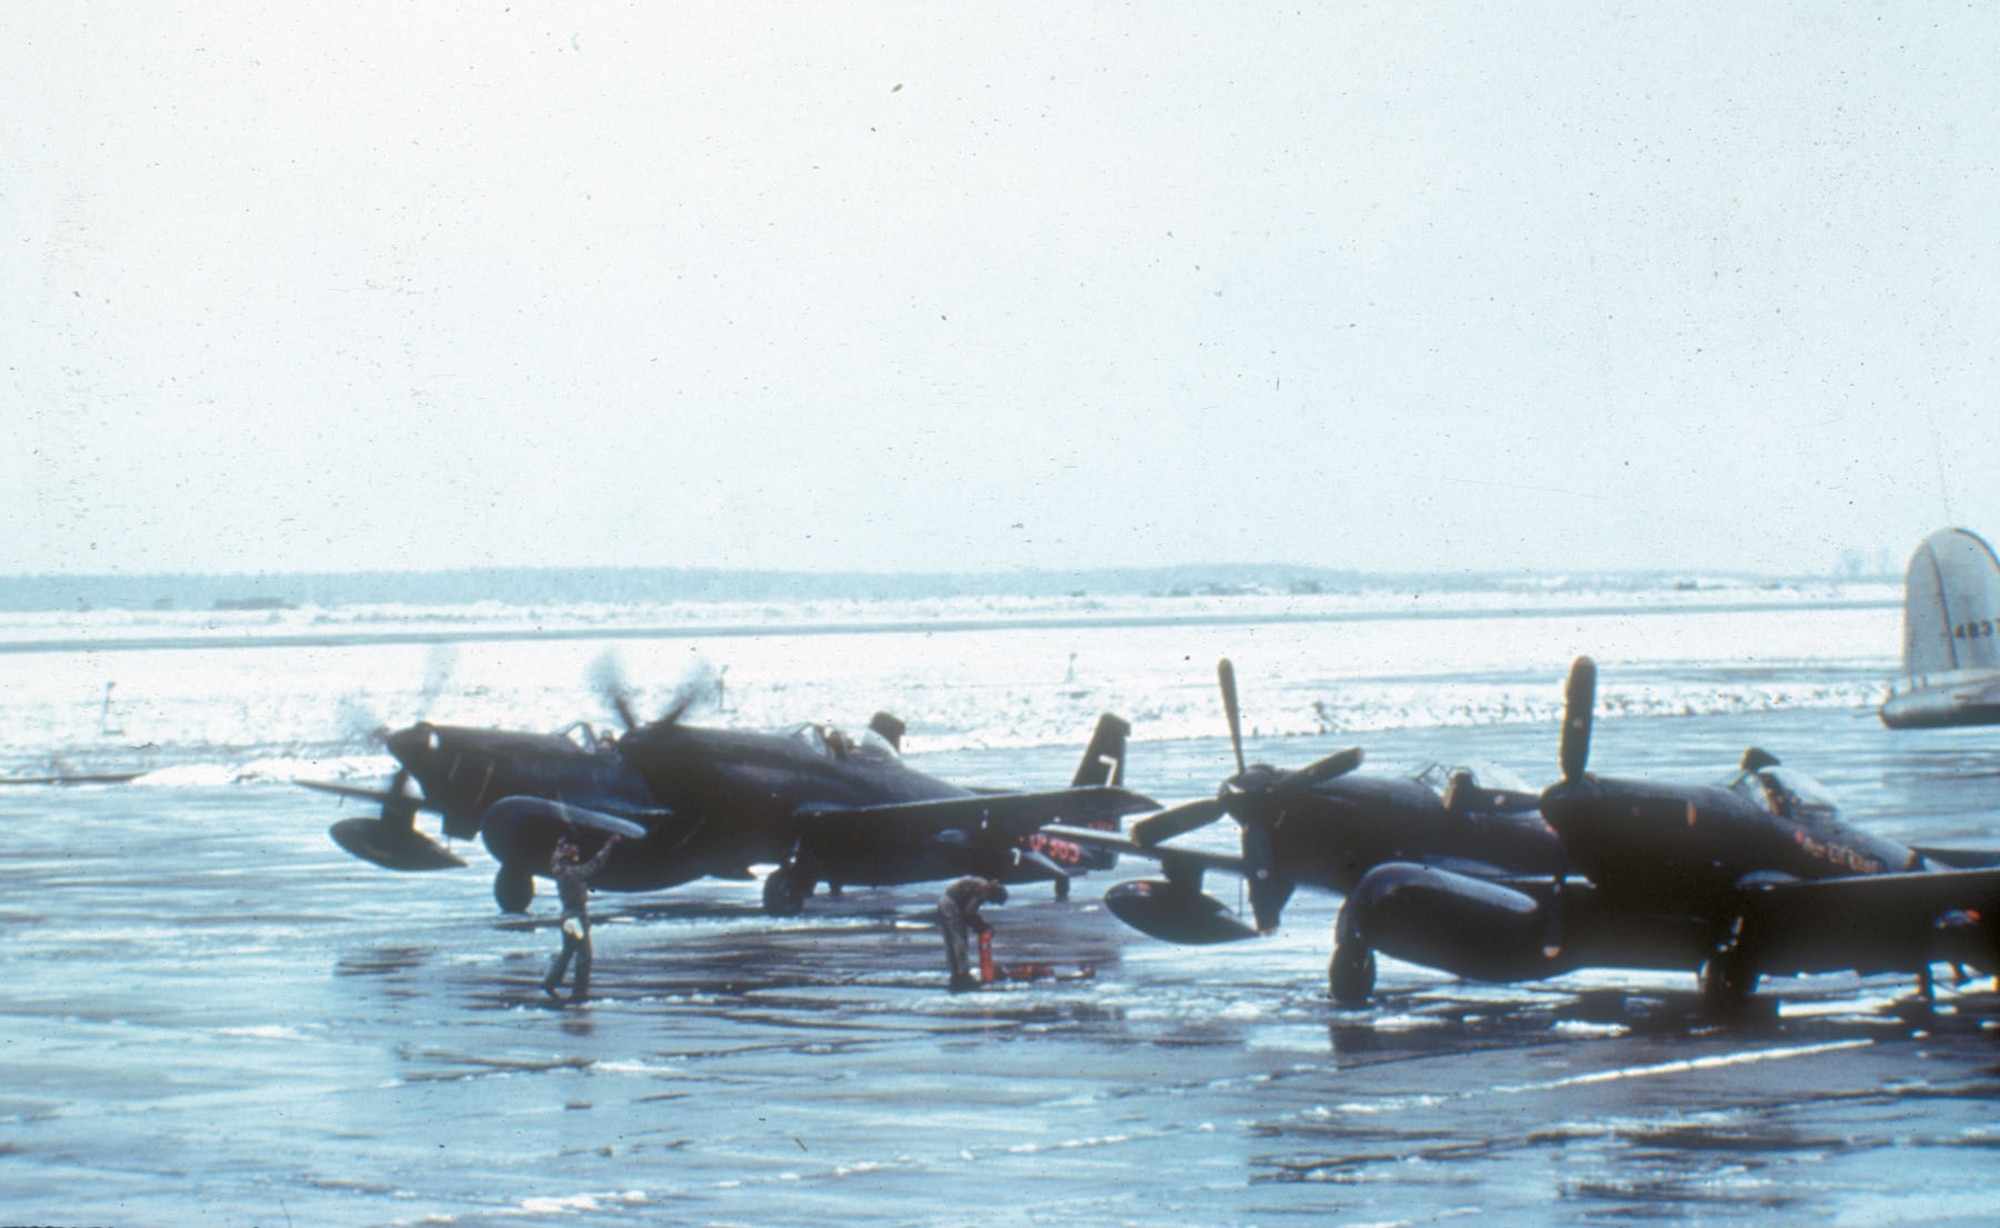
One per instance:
(378, 796)
(1179, 857)
(1959, 859)
(1873, 922)
(1016, 814)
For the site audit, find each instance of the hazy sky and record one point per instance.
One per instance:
(364, 285)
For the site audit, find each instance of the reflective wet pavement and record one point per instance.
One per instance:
(211, 1013)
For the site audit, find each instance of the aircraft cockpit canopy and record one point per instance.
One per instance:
(1437, 777)
(828, 742)
(823, 740)
(1787, 793)
(586, 739)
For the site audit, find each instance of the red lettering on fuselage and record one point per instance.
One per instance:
(1062, 852)
(1837, 854)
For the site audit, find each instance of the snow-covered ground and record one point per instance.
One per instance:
(272, 694)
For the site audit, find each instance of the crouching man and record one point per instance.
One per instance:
(958, 914)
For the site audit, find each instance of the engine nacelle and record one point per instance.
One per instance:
(1453, 922)
(1173, 912)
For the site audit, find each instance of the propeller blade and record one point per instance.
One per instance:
(399, 813)
(1337, 764)
(1268, 888)
(1177, 821)
(359, 722)
(1225, 673)
(698, 684)
(1579, 698)
(440, 663)
(607, 678)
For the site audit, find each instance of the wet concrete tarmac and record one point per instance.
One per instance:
(211, 1014)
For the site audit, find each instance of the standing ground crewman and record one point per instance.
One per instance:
(572, 875)
(958, 911)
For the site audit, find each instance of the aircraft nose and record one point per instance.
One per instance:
(411, 745)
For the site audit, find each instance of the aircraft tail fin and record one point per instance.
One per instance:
(1951, 605)
(1104, 759)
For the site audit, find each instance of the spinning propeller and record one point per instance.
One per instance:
(392, 839)
(607, 676)
(1255, 797)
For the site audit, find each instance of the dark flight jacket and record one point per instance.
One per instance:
(573, 881)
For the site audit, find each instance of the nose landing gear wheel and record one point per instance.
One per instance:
(1351, 976)
(786, 891)
(513, 888)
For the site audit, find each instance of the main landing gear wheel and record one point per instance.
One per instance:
(1727, 981)
(786, 890)
(513, 888)
(1351, 976)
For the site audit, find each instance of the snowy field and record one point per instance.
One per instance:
(249, 695)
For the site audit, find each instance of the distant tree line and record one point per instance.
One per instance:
(649, 585)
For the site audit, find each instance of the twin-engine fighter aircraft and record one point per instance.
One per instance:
(1756, 876)
(692, 802)
(1951, 636)
(1324, 826)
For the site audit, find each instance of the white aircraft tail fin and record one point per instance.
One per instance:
(1951, 605)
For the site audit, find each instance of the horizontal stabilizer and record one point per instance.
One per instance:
(1174, 914)
(392, 846)
(1094, 837)
(1177, 858)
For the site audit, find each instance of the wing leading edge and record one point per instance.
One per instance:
(1017, 814)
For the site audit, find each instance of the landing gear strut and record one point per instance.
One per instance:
(786, 890)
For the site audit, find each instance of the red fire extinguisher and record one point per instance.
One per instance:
(986, 971)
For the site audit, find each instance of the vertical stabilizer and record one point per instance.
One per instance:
(1951, 605)
(1104, 759)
